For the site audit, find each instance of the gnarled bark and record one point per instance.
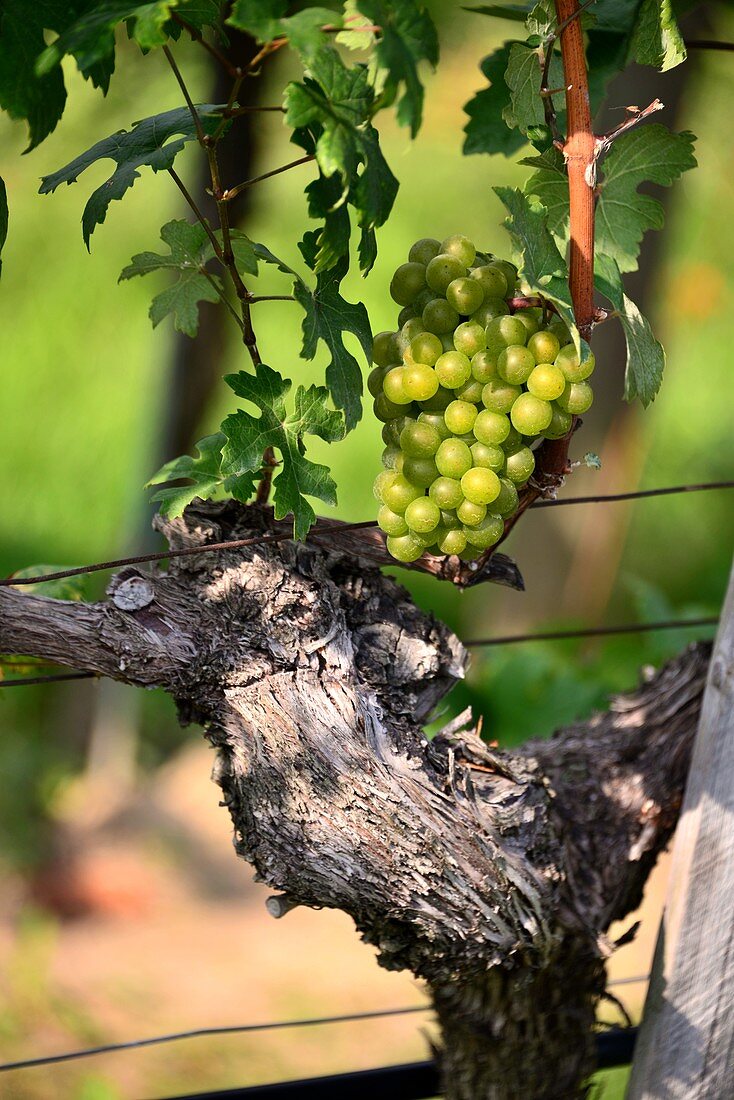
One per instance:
(493, 876)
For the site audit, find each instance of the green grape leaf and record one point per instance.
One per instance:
(248, 436)
(550, 185)
(3, 218)
(260, 18)
(203, 473)
(24, 95)
(328, 317)
(356, 35)
(541, 264)
(324, 196)
(486, 131)
(539, 18)
(153, 142)
(645, 354)
(408, 36)
(266, 21)
(657, 39)
(523, 77)
(243, 250)
(262, 252)
(190, 249)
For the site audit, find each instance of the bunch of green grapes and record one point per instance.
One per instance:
(464, 387)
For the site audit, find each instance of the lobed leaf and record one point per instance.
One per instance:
(645, 354)
(657, 39)
(266, 20)
(487, 131)
(523, 78)
(203, 473)
(23, 94)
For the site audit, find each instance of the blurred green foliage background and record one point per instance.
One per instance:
(86, 381)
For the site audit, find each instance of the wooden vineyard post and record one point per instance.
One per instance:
(685, 1049)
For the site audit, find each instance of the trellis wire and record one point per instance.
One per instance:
(237, 544)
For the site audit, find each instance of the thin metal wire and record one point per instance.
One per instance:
(340, 527)
(594, 632)
(23, 681)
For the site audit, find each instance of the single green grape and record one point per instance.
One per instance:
(420, 382)
(560, 425)
(453, 369)
(374, 380)
(419, 471)
(442, 270)
(393, 384)
(530, 319)
(390, 437)
(422, 515)
(489, 310)
(519, 465)
(573, 369)
(484, 366)
(487, 454)
(487, 533)
(446, 492)
(453, 458)
(530, 415)
(384, 349)
(465, 295)
(546, 380)
(385, 409)
(514, 364)
(404, 547)
(469, 338)
(408, 332)
(460, 417)
(436, 421)
(460, 247)
(390, 457)
(407, 313)
(499, 396)
(480, 485)
(398, 492)
(419, 440)
(423, 251)
(391, 522)
(439, 317)
(544, 346)
(491, 427)
(513, 440)
(425, 348)
(505, 332)
(507, 500)
(576, 398)
(407, 282)
(440, 400)
(449, 519)
(470, 391)
(510, 273)
(383, 479)
(491, 279)
(452, 542)
(471, 514)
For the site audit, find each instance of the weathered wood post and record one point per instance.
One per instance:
(685, 1050)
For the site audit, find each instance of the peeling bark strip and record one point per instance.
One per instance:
(491, 875)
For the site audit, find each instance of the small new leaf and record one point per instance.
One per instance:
(486, 131)
(248, 435)
(645, 354)
(203, 473)
(153, 142)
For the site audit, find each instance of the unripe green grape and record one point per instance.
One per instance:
(422, 515)
(546, 380)
(576, 398)
(469, 337)
(446, 492)
(519, 465)
(440, 317)
(452, 542)
(485, 534)
(465, 295)
(391, 522)
(460, 247)
(390, 437)
(419, 440)
(381, 482)
(513, 440)
(491, 427)
(470, 554)
(480, 485)
(419, 471)
(398, 492)
(484, 366)
(506, 332)
(404, 547)
(560, 331)
(420, 382)
(407, 283)
(510, 273)
(544, 346)
(437, 422)
(423, 299)
(425, 348)
(449, 520)
(423, 251)
(507, 500)
(573, 370)
(499, 396)
(426, 538)
(440, 400)
(560, 425)
(412, 328)
(385, 409)
(453, 458)
(407, 313)
(442, 270)
(390, 457)
(514, 364)
(471, 514)
(453, 369)
(489, 455)
(470, 391)
(530, 415)
(491, 279)
(393, 385)
(374, 380)
(488, 310)
(384, 349)
(460, 417)
(530, 320)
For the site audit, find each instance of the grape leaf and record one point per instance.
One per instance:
(38, 100)
(266, 21)
(248, 436)
(541, 264)
(657, 39)
(486, 131)
(3, 218)
(260, 18)
(203, 473)
(645, 354)
(328, 317)
(148, 143)
(523, 77)
(550, 185)
(262, 252)
(408, 36)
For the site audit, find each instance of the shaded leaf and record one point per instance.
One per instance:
(203, 473)
(265, 20)
(486, 131)
(657, 39)
(153, 142)
(645, 354)
(23, 94)
(523, 78)
(550, 185)
(541, 264)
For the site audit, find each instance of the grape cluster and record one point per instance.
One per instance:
(464, 387)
